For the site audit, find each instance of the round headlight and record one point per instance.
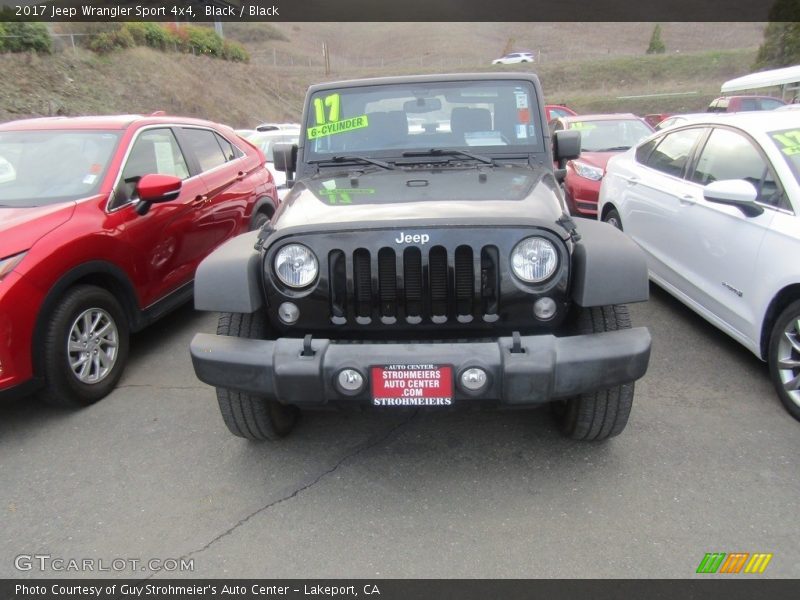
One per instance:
(534, 259)
(296, 265)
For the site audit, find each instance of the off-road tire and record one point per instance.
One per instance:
(784, 345)
(62, 386)
(603, 414)
(245, 415)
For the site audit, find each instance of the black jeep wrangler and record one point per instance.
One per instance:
(424, 257)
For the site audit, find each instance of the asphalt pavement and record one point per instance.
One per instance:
(708, 463)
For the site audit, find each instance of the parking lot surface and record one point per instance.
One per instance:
(708, 463)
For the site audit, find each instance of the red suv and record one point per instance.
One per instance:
(103, 221)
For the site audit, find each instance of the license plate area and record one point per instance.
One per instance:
(412, 385)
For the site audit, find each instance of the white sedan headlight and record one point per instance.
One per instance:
(587, 171)
(296, 265)
(534, 259)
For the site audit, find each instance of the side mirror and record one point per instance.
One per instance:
(566, 146)
(734, 192)
(284, 158)
(152, 189)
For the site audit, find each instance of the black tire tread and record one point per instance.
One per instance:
(603, 414)
(263, 212)
(245, 415)
(787, 314)
(60, 388)
(612, 214)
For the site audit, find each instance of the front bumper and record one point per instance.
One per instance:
(583, 194)
(547, 368)
(20, 303)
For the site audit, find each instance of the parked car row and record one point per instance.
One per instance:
(602, 136)
(723, 104)
(584, 175)
(105, 220)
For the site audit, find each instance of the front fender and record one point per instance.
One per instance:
(228, 279)
(608, 267)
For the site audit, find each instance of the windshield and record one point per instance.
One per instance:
(499, 117)
(46, 167)
(788, 142)
(610, 135)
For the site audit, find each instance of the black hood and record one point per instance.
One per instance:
(368, 197)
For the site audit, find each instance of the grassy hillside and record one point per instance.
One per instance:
(587, 66)
(142, 80)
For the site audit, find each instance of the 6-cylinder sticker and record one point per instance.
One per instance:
(331, 123)
(342, 126)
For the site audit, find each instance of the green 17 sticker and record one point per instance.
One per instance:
(332, 103)
(331, 123)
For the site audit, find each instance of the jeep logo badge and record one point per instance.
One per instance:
(407, 238)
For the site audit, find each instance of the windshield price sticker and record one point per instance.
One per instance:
(333, 103)
(412, 385)
(582, 125)
(332, 123)
(789, 141)
(342, 126)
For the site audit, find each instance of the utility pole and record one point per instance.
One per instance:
(326, 57)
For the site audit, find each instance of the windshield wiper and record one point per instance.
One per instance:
(352, 158)
(449, 152)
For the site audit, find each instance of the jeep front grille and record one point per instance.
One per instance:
(414, 285)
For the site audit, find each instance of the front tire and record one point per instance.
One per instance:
(259, 220)
(602, 414)
(85, 347)
(612, 218)
(784, 358)
(245, 415)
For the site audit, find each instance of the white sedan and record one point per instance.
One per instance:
(715, 205)
(514, 58)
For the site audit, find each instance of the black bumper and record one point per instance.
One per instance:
(547, 368)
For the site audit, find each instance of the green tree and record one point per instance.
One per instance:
(781, 47)
(656, 44)
(27, 36)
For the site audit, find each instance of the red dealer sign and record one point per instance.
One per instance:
(412, 385)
